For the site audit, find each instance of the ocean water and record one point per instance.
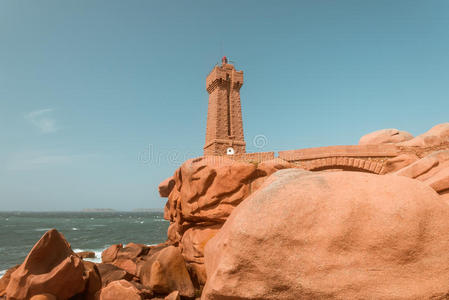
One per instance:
(19, 231)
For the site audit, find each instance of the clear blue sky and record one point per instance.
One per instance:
(87, 87)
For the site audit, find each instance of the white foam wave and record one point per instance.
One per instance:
(96, 259)
(2, 272)
(42, 229)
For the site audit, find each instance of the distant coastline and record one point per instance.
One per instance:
(96, 210)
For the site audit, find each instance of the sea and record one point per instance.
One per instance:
(85, 231)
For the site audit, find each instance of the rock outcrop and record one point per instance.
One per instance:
(110, 272)
(436, 136)
(399, 162)
(166, 186)
(126, 258)
(136, 271)
(157, 269)
(120, 289)
(252, 227)
(166, 272)
(203, 193)
(50, 267)
(93, 283)
(385, 136)
(333, 235)
(433, 170)
(4, 281)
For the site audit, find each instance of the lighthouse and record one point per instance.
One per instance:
(224, 130)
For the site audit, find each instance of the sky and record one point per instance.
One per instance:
(101, 100)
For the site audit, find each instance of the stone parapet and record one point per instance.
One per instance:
(253, 157)
(341, 151)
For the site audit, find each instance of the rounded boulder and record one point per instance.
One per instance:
(385, 136)
(339, 235)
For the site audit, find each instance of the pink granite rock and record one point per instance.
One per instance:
(94, 281)
(445, 196)
(401, 161)
(439, 181)
(166, 272)
(44, 297)
(437, 135)
(50, 267)
(120, 289)
(125, 257)
(211, 187)
(110, 254)
(192, 245)
(205, 192)
(337, 235)
(432, 170)
(173, 296)
(4, 281)
(166, 186)
(208, 188)
(110, 272)
(385, 136)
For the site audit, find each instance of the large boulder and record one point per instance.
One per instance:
(94, 283)
(126, 257)
(120, 289)
(436, 136)
(110, 253)
(166, 272)
(385, 136)
(50, 267)
(332, 235)
(110, 272)
(192, 245)
(207, 189)
(201, 195)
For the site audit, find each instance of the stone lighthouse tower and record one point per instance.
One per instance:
(224, 132)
